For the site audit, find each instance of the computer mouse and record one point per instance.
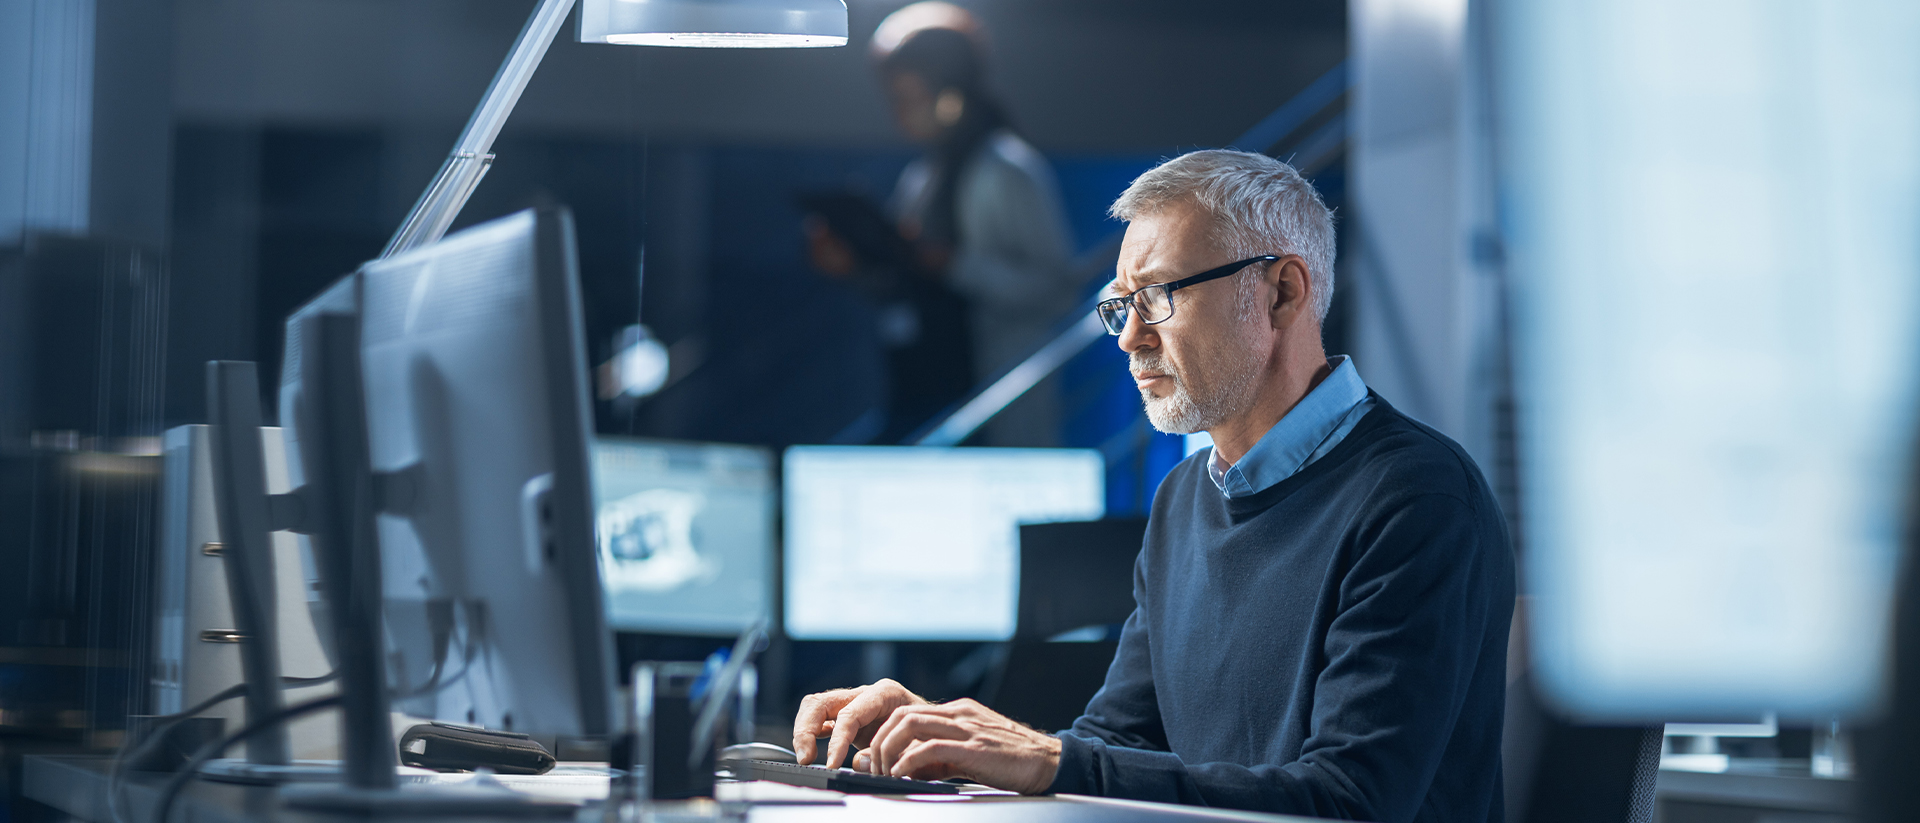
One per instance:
(759, 751)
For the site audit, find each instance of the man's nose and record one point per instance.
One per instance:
(1136, 334)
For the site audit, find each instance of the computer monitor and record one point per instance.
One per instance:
(685, 534)
(1714, 451)
(479, 427)
(915, 543)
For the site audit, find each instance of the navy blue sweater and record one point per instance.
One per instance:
(1334, 645)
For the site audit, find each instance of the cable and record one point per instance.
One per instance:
(167, 721)
(187, 773)
(434, 683)
(299, 682)
(438, 681)
(157, 732)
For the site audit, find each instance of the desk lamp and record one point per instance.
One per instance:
(687, 23)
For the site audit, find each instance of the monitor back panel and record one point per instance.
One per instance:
(477, 411)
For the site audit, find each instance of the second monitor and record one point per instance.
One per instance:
(685, 533)
(906, 543)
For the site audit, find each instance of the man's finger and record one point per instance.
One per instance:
(804, 721)
(908, 727)
(886, 732)
(936, 759)
(816, 711)
(837, 744)
(856, 714)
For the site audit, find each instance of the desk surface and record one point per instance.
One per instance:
(1784, 790)
(77, 785)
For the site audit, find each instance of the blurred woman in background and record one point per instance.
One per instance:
(981, 213)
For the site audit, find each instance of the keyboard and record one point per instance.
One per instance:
(839, 780)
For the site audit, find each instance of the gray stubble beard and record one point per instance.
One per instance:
(1182, 413)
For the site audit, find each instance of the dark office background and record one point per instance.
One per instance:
(246, 153)
(265, 149)
(295, 158)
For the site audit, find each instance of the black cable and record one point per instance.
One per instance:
(300, 682)
(435, 682)
(158, 727)
(213, 750)
(156, 732)
(166, 721)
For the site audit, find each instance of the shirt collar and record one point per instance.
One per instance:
(1298, 438)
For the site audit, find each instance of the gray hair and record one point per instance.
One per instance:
(1260, 206)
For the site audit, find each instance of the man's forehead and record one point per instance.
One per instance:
(1126, 282)
(1155, 249)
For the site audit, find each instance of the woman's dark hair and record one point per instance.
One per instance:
(948, 59)
(945, 58)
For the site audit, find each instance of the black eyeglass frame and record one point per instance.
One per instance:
(1122, 306)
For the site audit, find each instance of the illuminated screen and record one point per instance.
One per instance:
(685, 533)
(906, 543)
(1712, 212)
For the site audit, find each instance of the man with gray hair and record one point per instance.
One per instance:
(1323, 598)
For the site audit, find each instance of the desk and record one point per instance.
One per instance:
(77, 785)
(1780, 796)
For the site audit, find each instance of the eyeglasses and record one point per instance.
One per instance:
(1155, 302)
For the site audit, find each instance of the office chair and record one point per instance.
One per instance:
(1072, 576)
(1558, 771)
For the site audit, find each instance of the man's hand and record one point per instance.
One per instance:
(828, 252)
(851, 715)
(962, 739)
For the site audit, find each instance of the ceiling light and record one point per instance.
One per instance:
(715, 23)
(693, 23)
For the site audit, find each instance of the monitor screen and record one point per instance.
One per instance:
(906, 543)
(685, 532)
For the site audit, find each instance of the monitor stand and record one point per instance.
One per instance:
(248, 514)
(316, 785)
(245, 514)
(480, 797)
(239, 770)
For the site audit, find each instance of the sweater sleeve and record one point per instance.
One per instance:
(1414, 608)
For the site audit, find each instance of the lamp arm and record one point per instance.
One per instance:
(461, 173)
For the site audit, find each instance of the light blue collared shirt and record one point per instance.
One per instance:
(1309, 430)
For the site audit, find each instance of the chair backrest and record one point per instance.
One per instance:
(1074, 575)
(1048, 685)
(1559, 771)
(1588, 774)
(1646, 775)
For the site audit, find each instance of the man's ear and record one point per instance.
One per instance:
(1292, 290)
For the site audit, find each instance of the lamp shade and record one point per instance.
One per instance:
(715, 23)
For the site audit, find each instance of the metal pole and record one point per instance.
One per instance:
(991, 400)
(470, 159)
